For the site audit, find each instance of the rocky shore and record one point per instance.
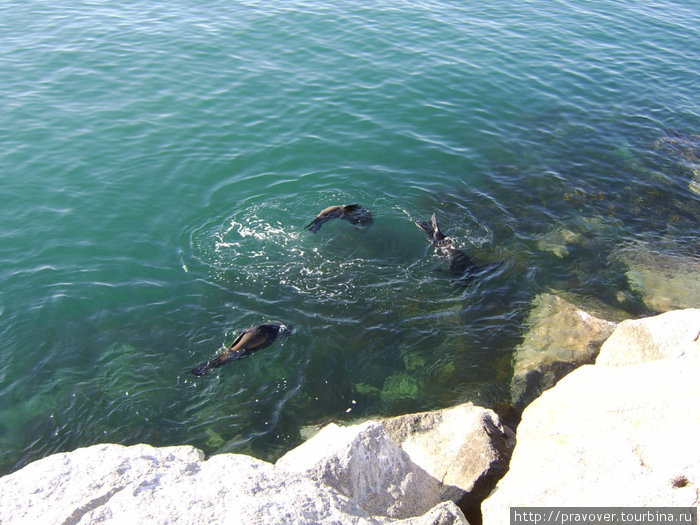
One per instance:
(609, 418)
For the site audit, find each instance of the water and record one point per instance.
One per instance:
(160, 161)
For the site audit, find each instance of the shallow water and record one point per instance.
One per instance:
(161, 160)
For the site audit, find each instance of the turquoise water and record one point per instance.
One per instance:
(160, 162)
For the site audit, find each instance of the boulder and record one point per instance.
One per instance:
(665, 282)
(560, 338)
(446, 513)
(607, 436)
(465, 447)
(143, 484)
(364, 464)
(670, 335)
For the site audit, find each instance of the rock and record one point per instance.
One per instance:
(465, 447)
(143, 484)
(670, 335)
(557, 241)
(607, 436)
(364, 464)
(446, 513)
(400, 387)
(560, 338)
(665, 282)
(686, 148)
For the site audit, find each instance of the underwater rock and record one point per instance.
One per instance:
(664, 281)
(412, 360)
(559, 338)
(686, 148)
(400, 387)
(557, 241)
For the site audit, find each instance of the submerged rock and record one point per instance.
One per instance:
(686, 148)
(664, 281)
(558, 241)
(560, 338)
(400, 387)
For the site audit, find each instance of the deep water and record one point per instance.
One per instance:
(161, 159)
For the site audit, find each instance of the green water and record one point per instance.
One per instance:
(160, 161)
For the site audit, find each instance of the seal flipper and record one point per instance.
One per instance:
(437, 235)
(221, 359)
(425, 227)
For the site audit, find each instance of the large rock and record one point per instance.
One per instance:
(560, 338)
(143, 484)
(364, 464)
(607, 436)
(664, 281)
(670, 335)
(465, 447)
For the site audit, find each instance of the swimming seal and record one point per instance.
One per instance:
(248, 341)
(353, 213)
(462, 268)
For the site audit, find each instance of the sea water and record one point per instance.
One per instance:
(160, 160)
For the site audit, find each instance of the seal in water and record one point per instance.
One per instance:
(248, 341)
(353, 213)
(462, 268)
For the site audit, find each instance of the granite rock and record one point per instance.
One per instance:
(673, 334)
(465, 447)
(364, 464)
(606, 436)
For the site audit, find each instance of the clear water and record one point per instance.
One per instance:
(160, 160)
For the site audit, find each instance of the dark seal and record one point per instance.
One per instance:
(353, 213)
(462, 268)
(248, 342)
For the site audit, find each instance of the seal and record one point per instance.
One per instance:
(353, 213)
(248, 342)
(462, 268)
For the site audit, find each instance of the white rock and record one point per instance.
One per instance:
(670, 335)
(607, 437)
(465, 447)
(175, 485)
(143, 484)
(446, 513)
(364, 464)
